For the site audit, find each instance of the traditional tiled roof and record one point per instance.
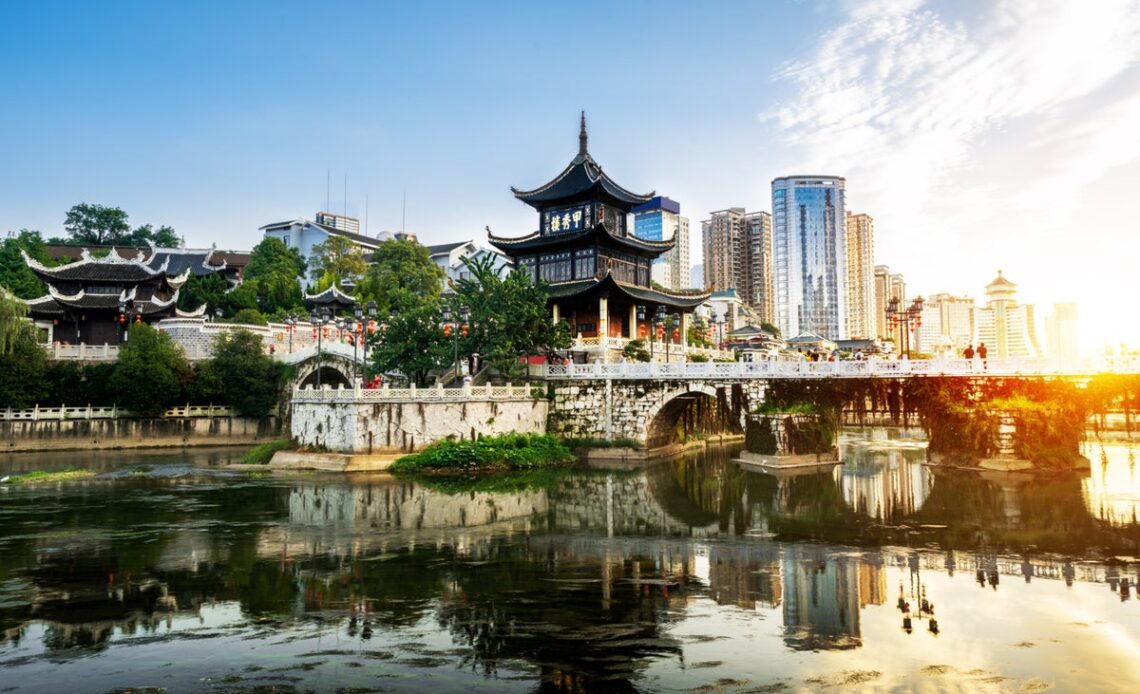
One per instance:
(332, 295)
(598, 232)
(89, 301)
(581, 177)
(111, 268)
(44, 304)
(445, 247)
(196, 313)
(198, 260)
(607, 282)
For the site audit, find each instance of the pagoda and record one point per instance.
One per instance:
(597, 271)
(94, 300)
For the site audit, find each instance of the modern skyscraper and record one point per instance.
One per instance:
(1005, 326)
(660, 220)
(809, 220)
(738, 255)
(861, 322)
(947, 321)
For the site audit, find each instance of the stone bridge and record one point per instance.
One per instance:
(337, 364)
(651, 412)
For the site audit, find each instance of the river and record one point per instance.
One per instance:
(167, 572)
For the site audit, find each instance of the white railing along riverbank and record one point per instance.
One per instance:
(41, 414)
(873, 368)
(414, 394)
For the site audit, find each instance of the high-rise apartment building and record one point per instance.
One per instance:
(947, 323)
(887, 287)
(809, 221)
(760, 294)
(660, 220)
(1006, 327)
(861, 322)
(738, 255)
(1061, 335)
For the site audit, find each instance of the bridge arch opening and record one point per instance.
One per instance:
(694, 411)
(329, 376)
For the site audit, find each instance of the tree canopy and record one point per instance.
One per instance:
(271, 281)
(402, 278)
(99, 225)
(334, 260)
(151, 371)
(509, 318)
(12, 312)
(14, 272)
(250, 380)
(412, 342)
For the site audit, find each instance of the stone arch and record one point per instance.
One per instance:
(334, 372)
(700, 402)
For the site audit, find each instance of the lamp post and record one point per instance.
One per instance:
(659, 326)
(290, 326)
(318, 321)
(453, 328)
(641, 321)
(674, 321)
(371, 329)
(907, 320)
(122, 322)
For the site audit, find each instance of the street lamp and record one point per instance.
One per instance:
(122, 322)
(908, 320)
(453, 328)
(641, 321)
(659, 327)
(290, 326)
(318, 321)
(674, 321)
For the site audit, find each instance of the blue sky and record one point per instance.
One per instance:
(979, 135)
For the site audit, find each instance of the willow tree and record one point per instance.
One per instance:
(12, 313)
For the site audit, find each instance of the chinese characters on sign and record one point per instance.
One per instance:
(567, 219)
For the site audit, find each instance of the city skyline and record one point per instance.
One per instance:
(986, 149)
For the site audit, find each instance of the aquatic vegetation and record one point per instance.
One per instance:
(502, 452)
(56, 476)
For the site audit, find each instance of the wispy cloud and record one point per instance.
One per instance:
(969, 127)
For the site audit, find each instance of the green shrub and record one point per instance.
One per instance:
(698, 357)
(261, 455)
(502, 452)
(587, 442)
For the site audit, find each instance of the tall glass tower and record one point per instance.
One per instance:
(809, 228)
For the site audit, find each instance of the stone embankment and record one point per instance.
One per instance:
(158, 432)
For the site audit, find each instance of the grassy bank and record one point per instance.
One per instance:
(491, 453)
(261, 455)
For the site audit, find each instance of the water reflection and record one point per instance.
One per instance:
(691, 573)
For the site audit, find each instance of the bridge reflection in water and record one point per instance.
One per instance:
(573, 579)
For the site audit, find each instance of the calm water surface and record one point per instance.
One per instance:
(170, 573)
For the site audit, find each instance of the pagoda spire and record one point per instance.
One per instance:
(582, 136)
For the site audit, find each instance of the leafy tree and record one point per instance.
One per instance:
(205, 386)
(209, 289)
(249, 316)
(402, 277)
(150, 373)
(250, 380)
(334, 260)
(770, 329)
(412, 343)
(14, 272)
(163, 237)
(509, 319)
(23, 364)
(271, 276)
(697, 336)
(96, 224)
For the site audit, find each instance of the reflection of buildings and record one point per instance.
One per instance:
(821, 599)
(882, 489)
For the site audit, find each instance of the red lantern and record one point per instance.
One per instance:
(371, 326)
(676, 334)
(359, 328)
(641, 330)
(463, 332)
(314, 333)
(447, 330)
